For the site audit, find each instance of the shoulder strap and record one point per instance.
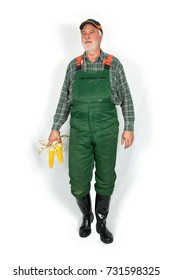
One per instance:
(79, 62)
(107, 61)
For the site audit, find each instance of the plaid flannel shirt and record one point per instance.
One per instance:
(120, 92)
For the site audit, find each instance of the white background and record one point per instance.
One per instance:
(39, 217)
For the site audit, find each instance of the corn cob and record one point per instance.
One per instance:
(55, 147)
(59, 152)
(51, 157)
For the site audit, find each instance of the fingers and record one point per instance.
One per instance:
(54, 136)
(58, 139)
(49, 143)
(125, 142)
(128, 143)
(127, 139)
(122, 140)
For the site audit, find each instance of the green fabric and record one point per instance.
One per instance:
(120, 92)
(93, 134)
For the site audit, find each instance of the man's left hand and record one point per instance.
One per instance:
(127, 139)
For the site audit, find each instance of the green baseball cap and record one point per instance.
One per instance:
(93, 22)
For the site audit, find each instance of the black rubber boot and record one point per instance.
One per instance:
(84, 204)
(101, 210)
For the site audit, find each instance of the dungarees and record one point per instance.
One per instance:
(93, 134)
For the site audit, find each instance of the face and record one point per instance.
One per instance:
(91, 38)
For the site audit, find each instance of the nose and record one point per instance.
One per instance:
(86, 35)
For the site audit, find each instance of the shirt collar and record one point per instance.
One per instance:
(101, 56)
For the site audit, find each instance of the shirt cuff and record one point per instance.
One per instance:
(129, 127)
(56, 127)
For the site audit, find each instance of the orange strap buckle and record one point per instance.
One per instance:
(107, 61)
(79, 61)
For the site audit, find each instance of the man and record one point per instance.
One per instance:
(94, 84)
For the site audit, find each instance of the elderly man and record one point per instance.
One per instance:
(94, 85)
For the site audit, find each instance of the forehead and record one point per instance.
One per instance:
(88, 27)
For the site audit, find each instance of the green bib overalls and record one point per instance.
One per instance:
(93, 134)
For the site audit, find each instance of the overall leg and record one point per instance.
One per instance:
(105, 158)
(81, 163)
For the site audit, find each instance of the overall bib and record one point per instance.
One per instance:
(93, 134)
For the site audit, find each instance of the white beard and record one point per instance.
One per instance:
(92, 48)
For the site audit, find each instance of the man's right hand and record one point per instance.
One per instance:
(54, 136)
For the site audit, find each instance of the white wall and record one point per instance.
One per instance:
(39, 217)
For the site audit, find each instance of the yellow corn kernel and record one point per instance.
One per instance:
(59, 152)
(51, 157)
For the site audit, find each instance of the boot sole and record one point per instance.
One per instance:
(83, 236)
(106, 242)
